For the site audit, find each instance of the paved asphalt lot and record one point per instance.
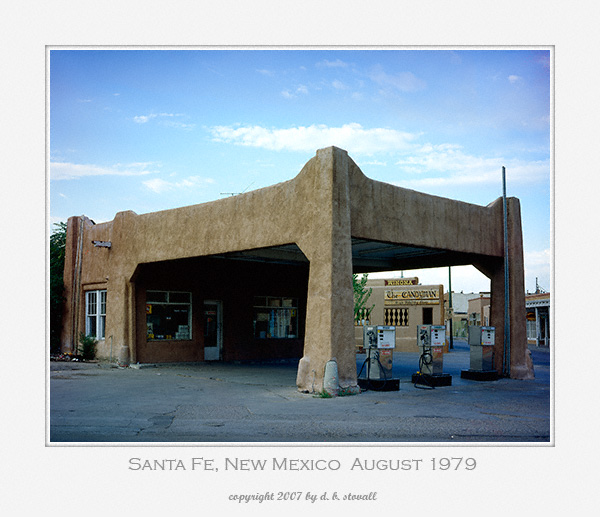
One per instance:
(249, 403)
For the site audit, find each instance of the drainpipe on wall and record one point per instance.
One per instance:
(506, 276)
(77, 285)
(450, 304)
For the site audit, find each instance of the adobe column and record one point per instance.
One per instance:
(326, 243)
(72, 284)
(521, 366)
(120, 306)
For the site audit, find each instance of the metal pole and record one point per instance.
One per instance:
(506, 286)
(450, 305)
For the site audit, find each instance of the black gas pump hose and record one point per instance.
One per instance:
(424, 360)
(381, 368)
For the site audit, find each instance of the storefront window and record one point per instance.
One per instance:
(168, 315)
(275, 318)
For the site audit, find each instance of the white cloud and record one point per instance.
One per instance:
(144, 119)
(159, 185)
(338, 63)
(514, 79)
(452, 166)
(436, 166)
(69, 171)
(537, 265)
(300, 90)
(339, 85)
(374, 162)
(180, 125)
(352, 137)
(537, 258)
(403, 81)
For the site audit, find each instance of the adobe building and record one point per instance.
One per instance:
(268, 273)
(479, 310)
(402, 303)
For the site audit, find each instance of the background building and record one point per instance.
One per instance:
(458, 312)
(538, 318)
(402, 303)
(479, 310)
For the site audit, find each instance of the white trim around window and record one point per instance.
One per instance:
(95, 313)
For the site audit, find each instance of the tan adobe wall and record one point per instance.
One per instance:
(329, 202)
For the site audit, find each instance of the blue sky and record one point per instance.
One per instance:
(148, 130)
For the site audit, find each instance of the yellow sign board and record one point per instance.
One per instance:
(416, 296)
(413, 294)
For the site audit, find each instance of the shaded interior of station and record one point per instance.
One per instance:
(238, 277)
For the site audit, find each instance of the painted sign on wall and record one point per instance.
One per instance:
(411, 296)
(402, 281)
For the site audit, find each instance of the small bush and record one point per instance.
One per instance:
(88, 346)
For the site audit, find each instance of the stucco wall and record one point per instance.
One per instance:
(389, 213)
(320, 210)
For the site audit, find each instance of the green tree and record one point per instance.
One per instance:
(361, 295)
(57, 262)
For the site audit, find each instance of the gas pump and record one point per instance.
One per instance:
(378, 342)
(431, 340)
(481, 345)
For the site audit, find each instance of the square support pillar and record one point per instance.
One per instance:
(521, 365)
(120, 319)
(330, 305)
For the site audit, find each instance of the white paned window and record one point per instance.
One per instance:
(95, 313)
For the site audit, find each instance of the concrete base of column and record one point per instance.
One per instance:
(123, 357)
